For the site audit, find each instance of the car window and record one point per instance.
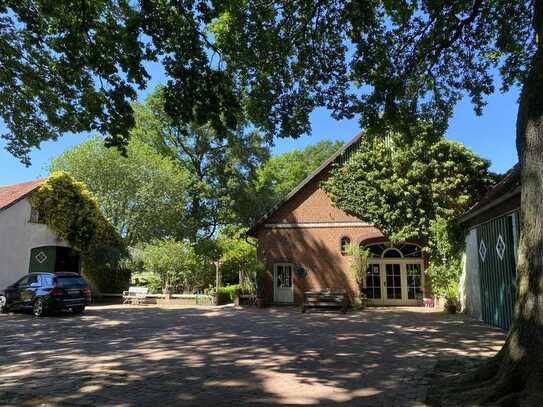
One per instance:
(47, 281)
(32, 280)
(22, 281)
(70, 281)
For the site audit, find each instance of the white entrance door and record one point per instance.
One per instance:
(283, 291)
(393, 283)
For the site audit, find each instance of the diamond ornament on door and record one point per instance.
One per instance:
(500, 247)
(482, 250)
(40, 257)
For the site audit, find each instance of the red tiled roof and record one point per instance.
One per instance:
(11, 194)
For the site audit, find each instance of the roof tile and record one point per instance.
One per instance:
(10, 194)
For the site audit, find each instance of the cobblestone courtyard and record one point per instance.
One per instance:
(143, 356)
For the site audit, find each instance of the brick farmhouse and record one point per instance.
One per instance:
(303, 241)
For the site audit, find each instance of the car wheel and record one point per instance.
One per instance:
(39, 308)
(3, 304)
(78, 310)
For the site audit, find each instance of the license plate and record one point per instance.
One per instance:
(73, 292)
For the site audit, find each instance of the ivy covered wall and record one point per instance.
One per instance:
(71, 211)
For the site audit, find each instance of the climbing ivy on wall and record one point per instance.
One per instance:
(71, 211)
(412, 189)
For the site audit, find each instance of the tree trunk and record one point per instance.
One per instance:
(515, 375)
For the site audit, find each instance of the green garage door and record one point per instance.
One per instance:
(496, 242)
(43, 259)
(53, 259)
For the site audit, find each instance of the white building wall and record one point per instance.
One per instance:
(17, 237)
(470, 289)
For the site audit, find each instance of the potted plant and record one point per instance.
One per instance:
(451, 300)
(359, 303)
(364, 301)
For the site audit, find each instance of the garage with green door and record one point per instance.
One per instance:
(488, 283)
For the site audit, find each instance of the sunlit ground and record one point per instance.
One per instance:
(128, 355)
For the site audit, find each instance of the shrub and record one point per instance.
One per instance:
(445, 256)
(105, 280)
(227, 294)
(238, 259)
(359, 262)
(452, 296)
(175, 263)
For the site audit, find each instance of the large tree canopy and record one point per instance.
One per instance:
(143, 195)
(75, 66)
(185, 182)
(68, 66)
(221, 166)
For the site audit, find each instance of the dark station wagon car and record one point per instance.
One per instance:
(47, 292)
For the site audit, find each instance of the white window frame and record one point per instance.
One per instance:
(344, 252)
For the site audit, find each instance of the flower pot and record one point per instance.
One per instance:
(450, 308)
(237, 297)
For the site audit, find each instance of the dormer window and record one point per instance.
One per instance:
(35, 216)
(345, 242)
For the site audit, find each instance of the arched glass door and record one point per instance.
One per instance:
(393, 281)
(395, 274)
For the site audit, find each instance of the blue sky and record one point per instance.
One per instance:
(491, 136)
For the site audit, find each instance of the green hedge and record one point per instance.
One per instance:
(227, 294)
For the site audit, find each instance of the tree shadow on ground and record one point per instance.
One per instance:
(138, 356)
(445, 371)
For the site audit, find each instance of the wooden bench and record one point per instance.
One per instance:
(325, 299)
(244, 299)
(135, 295)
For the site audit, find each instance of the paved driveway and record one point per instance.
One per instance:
(151, 356)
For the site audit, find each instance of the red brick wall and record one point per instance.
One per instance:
(317, 250)
(311, 204)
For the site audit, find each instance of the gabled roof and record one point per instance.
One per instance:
(508, 187)
(345, 149)
(11, 194)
